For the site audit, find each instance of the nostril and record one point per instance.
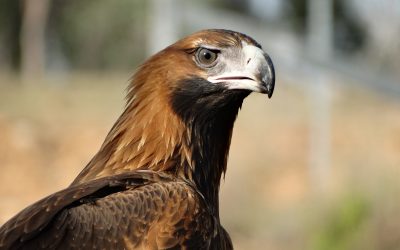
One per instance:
(248, 60)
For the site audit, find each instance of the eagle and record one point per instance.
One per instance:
(154, 183)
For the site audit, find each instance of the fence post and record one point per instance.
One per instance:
(319, 45)
(164, 18)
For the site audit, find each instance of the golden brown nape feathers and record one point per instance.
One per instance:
(154, 183)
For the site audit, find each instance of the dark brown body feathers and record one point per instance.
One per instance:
(140, 210)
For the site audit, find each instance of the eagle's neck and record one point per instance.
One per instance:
(211, 138)
(184, 134)
(208, 112)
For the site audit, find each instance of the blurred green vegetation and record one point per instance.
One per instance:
(84, 35)
(10, 26)
(99, 34)
(112, 35)
(343, 222)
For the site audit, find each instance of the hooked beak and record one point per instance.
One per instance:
(256, 73)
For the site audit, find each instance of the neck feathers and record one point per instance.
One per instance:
(148, 135)
(176, 130)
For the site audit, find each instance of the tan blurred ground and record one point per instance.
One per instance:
(268, 201)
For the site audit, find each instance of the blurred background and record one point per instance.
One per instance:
(315, 167)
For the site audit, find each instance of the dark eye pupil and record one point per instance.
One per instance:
(207, 55)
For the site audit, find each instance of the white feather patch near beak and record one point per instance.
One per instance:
(236, 80)
(249, 74)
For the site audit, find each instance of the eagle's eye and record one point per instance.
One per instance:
(206, 57)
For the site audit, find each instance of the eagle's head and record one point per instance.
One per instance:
(227, 60)
(182, 104)
(206, 70)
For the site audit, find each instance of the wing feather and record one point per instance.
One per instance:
(143, 209)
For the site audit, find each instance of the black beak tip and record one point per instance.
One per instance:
(269, 84)
(270, 88)
(270, 76)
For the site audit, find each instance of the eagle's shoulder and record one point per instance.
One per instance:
(126, 211)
